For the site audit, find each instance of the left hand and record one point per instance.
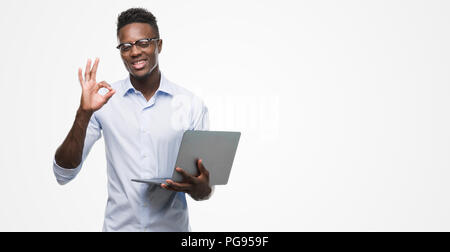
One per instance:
(197, 186)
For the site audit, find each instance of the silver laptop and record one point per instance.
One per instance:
(216, 149)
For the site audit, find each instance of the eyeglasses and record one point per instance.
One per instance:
(142, 43)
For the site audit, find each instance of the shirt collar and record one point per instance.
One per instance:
(164, 86)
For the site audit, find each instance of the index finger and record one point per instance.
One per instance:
(187, 177)
(201, 167)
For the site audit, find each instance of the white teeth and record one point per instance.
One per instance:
(139, 62)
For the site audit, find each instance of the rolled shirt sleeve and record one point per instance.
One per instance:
(93, 133)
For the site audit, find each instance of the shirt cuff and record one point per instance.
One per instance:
(64, 175)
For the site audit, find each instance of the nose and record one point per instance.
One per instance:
(135, 51)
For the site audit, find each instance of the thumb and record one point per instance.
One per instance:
(201, 167)
(110, 92)
(102, 84)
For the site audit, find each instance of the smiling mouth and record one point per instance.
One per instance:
(137, 65)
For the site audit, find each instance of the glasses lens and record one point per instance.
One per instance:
(125, 47)
(143, 43)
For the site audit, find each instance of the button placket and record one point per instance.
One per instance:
(145, 146)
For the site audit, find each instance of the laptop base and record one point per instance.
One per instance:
(157, 181)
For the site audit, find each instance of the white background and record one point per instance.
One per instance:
(343, 108)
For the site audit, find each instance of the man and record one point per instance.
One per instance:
(142, 118)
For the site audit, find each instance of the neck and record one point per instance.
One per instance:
(148, 84)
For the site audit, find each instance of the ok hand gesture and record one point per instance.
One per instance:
(91, 100)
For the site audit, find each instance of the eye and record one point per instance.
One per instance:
(125, 47)
(143, 43)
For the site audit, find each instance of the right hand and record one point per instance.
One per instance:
(91, 100)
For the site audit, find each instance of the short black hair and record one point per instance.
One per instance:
(137, 15)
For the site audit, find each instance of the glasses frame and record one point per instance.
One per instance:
(134, 43)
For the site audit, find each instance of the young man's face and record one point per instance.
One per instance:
(140, 62)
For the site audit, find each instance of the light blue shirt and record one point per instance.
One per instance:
(142, 139)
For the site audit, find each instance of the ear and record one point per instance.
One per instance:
(160, 42)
